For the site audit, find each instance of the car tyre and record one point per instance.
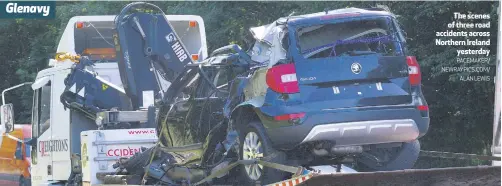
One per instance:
(404, 158)
(253, 142)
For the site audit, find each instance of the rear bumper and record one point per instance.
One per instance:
(354, 127)
(365, 132)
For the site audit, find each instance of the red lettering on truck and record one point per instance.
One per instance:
(141, 131)
(123, 152)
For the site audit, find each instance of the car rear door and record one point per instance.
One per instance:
(207, 109)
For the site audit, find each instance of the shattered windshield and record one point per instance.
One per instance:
(357, 37)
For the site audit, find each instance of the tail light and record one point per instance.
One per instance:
(424, 110)
(289, 116)
(413, 70)
(423, 107)
(282, 79)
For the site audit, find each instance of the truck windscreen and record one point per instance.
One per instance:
(95, 40)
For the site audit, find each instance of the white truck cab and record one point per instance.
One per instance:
(62, 133)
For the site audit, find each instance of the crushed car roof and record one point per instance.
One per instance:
(260, 32)
(360, 11)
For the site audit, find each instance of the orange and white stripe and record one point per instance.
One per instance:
(293, 181)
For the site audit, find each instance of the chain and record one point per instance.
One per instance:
(65, 55)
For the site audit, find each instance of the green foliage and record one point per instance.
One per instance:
(461, 112)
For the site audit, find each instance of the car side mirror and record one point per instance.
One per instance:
(7, 114)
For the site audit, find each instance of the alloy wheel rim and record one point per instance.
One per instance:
(252, 149)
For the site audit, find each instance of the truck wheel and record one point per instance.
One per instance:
(400, 158)
(254, 144)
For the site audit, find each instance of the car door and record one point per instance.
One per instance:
(206, 110)
(179, 136)
(174, 133)
(196, 110)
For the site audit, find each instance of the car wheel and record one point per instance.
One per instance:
(254, 144)
(398, 158)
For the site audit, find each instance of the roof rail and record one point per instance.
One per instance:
(379, 8)
(374, 9)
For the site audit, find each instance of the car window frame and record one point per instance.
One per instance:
(204, 88)
(295, 37)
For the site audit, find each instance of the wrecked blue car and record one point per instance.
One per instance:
(319, 89)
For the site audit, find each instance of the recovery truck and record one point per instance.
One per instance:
(57, 145)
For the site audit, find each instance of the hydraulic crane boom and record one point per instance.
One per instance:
(150, 56)
(150, 52)
(87, 92)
